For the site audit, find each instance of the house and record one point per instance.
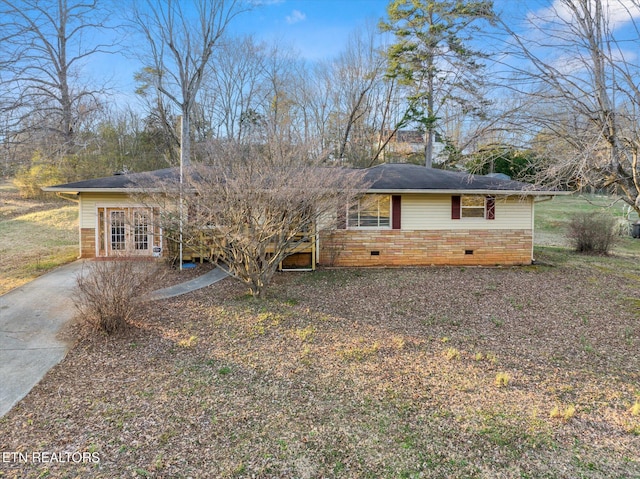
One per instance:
(412, 216)
(404, 144)
(409, 216)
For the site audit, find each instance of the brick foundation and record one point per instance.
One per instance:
(424, 248)
(87, 243)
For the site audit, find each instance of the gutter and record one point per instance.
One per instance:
(60, 194)
(542, 199)
(551, 194)
(98, 190)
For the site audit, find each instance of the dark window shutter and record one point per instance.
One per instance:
(455, 207)
(342, 219)
(491, 208)
(396, 214)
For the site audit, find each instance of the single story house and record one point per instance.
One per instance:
(409, 216)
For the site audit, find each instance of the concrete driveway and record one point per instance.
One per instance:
(30, 318)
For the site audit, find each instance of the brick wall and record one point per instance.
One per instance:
(87, 243)
(423, 248)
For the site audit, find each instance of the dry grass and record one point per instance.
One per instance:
(36, 236)
(345, 373)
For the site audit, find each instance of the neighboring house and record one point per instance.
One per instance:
(410, 216)
(404, 144)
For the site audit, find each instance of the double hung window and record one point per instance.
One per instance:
(371, 211)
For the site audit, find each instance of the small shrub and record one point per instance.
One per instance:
(451, 354)
(109, 290)
(31, 180)
(502, 380)
(592, 232)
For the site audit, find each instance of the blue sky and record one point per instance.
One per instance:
(317, 29)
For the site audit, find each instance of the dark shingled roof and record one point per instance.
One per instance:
(119, 182)
(403, 176)
(383, 178)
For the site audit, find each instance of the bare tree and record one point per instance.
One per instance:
(251, 206)
(181, 37)
(579, 64)
(347, 104)
(357, 80)
(44, 44)
(232, 98)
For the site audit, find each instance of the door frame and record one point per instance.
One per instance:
(104, 234)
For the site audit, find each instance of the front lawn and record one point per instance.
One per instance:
(35, 236)
(381, 373)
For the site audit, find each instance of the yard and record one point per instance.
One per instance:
(529, 372)
(35, 236)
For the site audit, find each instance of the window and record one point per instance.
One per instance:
(117, 230)
(473, 206)
(371, 211)
(141, 230)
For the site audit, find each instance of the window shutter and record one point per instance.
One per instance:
(341, 219)
(455, 207)
(396, 214)
(491, 208)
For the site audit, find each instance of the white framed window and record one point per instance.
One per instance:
(371, 211)
(118, 237)
(141, 230)
(472, 206)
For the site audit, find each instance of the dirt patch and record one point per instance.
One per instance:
(429, 372)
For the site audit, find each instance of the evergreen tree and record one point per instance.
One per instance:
(434, 57)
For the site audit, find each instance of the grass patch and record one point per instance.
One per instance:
(553, 217)
(37, 236)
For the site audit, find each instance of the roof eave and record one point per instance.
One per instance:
(469, 192)
(76, 191)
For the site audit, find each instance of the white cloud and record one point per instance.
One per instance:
(295, 17)
(618, 12)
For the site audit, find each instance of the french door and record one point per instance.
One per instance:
(126, 231)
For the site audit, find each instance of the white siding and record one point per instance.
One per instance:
(433, 212)
(89, 203)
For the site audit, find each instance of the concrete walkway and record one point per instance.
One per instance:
(31, 317)
(201, 281)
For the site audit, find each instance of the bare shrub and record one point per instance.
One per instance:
(109, 290)
(592, 232)
(251, 206)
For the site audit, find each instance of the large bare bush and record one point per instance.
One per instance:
(251, 206)
(108, 291)
(592, 232)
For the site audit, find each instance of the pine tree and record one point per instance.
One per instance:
(434, 57)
